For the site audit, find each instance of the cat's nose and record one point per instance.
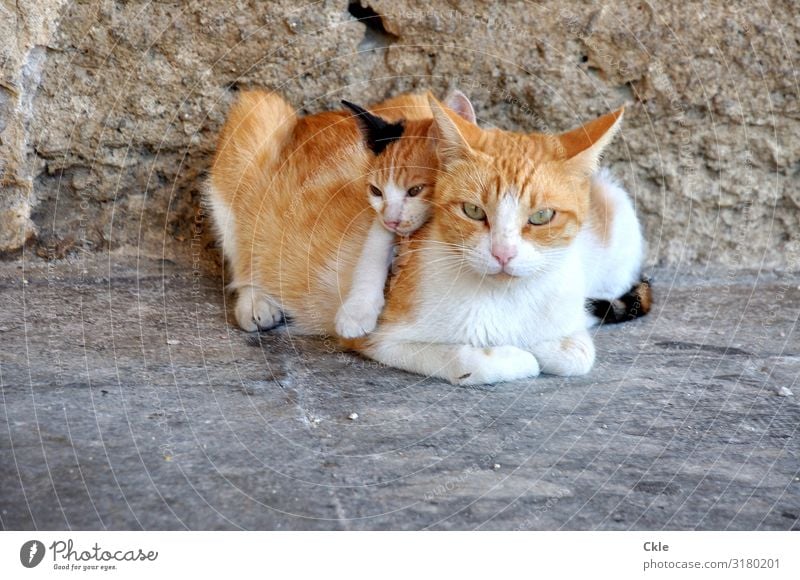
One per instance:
(392, 225)
(503, 254)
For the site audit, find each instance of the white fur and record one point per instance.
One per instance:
(393, 202)
(224, 222)
(458, 305)
(462, 317)
(612, 269)
(567, 357)
(359, 313)
(460, 364)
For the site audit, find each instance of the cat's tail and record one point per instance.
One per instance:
(258, 127)
(635, 303)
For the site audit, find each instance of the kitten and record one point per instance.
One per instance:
(398, 192)
(268, 161)
(493, 286)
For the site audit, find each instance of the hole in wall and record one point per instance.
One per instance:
(375, 33)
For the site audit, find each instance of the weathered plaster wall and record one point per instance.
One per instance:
(108, 109)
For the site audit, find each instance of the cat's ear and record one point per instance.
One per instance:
(377, 132)
(449, 142)
(583, 147)
(461, 104)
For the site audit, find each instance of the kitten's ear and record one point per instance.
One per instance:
(378, 133)
(583, 147)
(461, 104)
(449, 143)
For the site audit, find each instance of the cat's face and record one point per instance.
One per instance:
(512, 208)
(403, 177)
(402, 180)
(511, 218)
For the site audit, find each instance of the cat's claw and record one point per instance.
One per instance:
(255, 311)
(483, 366)
(357, 318)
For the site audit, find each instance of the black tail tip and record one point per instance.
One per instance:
(635, 303)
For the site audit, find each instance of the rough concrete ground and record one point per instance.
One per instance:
(129, 402)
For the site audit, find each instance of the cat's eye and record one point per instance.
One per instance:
(415, 191)
(474, 212)
(375, 191)
(541, 217)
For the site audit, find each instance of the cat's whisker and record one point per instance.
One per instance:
(451, 265)
(451, 246)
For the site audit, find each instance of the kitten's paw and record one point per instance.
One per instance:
(255, 311)
(357, 317)
(570, 356)
(482, 366)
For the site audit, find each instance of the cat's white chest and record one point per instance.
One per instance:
(520, 312)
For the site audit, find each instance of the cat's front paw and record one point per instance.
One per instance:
(357, 317)
(255, 311)
(484, 366)
(571, 356)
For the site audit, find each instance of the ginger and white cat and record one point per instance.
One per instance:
(612, 234)
(492, 287)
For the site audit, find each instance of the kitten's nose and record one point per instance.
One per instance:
(392, 225)
(503, 254)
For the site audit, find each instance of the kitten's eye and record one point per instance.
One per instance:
(474, 212)
(375, 191)
(541, 217)
(415, 191)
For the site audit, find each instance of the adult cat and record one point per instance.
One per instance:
(613, 241)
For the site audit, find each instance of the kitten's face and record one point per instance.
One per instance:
(509, 217)
(403, 171)
(402, 180)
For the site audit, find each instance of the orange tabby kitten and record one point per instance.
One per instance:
(306, 179)
(493, 287)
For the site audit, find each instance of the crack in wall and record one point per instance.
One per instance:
(375, 34)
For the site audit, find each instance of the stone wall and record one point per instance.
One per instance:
(109, 109)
